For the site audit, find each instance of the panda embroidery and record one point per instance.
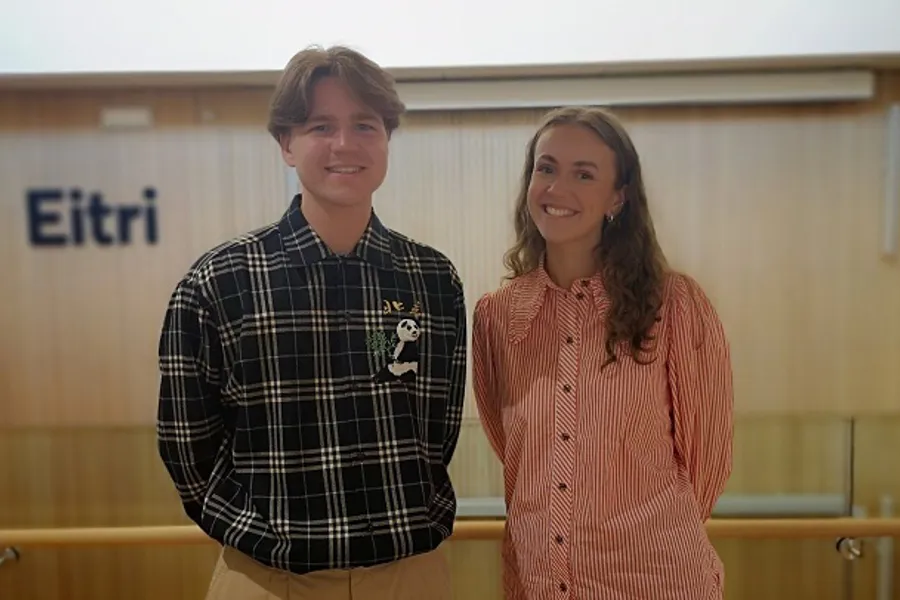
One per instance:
(405, 358)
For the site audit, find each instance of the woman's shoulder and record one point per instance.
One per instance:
(687, 304)
(492, 307)
(497, 308)
(502, 299)
(680, 287)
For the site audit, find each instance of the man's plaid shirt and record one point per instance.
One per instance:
(301, 418)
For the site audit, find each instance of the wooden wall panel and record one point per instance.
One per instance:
(73, 109)
(81, 324)
(775, 209)
(876, 478)
(112, 477)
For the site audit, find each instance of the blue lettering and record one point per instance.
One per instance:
(77, 221)
(38, 217)
(98, 212)
(150, 207)
(96, 219)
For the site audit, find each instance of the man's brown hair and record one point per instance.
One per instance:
(373, 86)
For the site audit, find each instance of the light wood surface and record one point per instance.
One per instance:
(776, 210)
(111, 477)
(237, 79)
(464, 530)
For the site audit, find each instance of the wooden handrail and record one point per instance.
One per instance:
(463, 530)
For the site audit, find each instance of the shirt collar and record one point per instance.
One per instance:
(305, 247)
(531, 289)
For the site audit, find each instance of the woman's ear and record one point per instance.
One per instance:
(618, 205)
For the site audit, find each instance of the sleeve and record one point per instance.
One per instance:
(189, 414)
(700, 379)
(458, 366)
(484, 376)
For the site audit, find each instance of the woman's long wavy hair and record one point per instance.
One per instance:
(631, 262)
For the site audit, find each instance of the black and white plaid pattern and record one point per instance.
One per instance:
(284, 430)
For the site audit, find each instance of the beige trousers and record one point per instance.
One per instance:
(422, 577)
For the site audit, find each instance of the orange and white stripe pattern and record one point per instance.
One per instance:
(609, 474)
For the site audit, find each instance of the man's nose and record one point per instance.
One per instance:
(343, 137)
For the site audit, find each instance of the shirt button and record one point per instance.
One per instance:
(579, 295)
(567, 388)
(565, 437)
(559, 539)
(570, 340)
(563, 587)
(563, 486)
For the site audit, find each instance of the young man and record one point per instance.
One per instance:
(313, 371)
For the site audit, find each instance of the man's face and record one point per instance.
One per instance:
(341, 152)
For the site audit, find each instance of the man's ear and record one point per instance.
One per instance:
(284, 140)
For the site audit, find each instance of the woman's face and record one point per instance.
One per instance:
(573, 186)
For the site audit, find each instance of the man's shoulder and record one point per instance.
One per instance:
(415, 255)
(234, 254)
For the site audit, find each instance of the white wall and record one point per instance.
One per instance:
(63, 36)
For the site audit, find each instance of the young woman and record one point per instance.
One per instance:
(603, 382)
